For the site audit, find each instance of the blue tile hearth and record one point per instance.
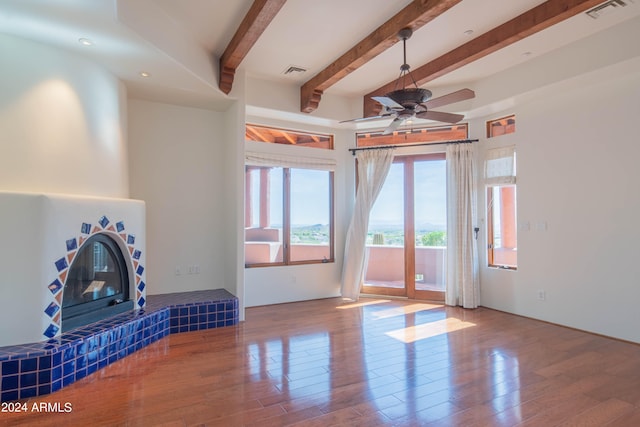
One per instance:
(36, 369)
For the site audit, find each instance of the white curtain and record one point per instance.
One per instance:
(462, 284)
(373, 167)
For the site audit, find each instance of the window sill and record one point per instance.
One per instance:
(291, 263)
(502, 267)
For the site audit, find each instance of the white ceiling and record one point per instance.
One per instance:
(179, 41)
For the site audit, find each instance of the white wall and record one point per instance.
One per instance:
(62, 121)
(62, 130)
(176, 167)
(21, 228)
(279, 101)
(577, 153)
(233, 193)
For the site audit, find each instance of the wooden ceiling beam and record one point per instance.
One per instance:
(534, 20)
(251, 28)
(414, 16)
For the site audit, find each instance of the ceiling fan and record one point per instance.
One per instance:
(409, 102)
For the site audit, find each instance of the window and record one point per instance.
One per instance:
(500, 176)
(288, 216)
(501, 126)
(413, 135)
(501, 220)
(288, 137)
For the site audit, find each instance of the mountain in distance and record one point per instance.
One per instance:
(310, 227)
(394, 226)
(378, 225)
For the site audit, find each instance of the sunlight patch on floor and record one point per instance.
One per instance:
(427, 330)
(405, 309)
(363, 303)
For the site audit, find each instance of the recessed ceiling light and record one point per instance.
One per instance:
(145, 74)
(85, 42)
(468, 32)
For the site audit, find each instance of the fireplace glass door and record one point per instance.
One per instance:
(97, 278)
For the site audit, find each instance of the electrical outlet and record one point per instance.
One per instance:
(542, 295)
(178, 271)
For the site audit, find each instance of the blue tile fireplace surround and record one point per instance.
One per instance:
(37, 369)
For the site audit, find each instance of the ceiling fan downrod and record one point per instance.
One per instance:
(405, 34)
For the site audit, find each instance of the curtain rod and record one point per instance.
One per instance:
(381, 147)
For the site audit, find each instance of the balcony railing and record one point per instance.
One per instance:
(385, 266)
(271, 252)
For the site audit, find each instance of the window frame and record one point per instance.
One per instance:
(491, 258)
(502, 122)
(409, 232)
(288, 137)
(286, 220)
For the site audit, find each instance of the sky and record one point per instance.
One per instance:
(309, 197)
(430, 195)
(310, 201)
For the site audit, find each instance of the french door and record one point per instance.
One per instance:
(406, 242)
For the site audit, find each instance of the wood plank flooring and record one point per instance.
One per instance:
(374, 363)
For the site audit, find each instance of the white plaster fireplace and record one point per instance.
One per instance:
(40, 234)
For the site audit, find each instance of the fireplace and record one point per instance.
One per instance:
(97, 284)
(67, 261)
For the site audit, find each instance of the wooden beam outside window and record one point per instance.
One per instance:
(251, 28)
(530, 22)
(415, 15)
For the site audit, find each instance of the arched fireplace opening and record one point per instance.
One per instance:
(97, 285)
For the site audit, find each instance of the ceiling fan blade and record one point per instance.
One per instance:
(457, 96)
(395, 124)
(364, 119)
(388, 102)
(440, 116)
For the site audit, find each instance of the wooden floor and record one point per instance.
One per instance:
(377, 362)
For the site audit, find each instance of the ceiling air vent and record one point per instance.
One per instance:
(294, 69)
(607, 8)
